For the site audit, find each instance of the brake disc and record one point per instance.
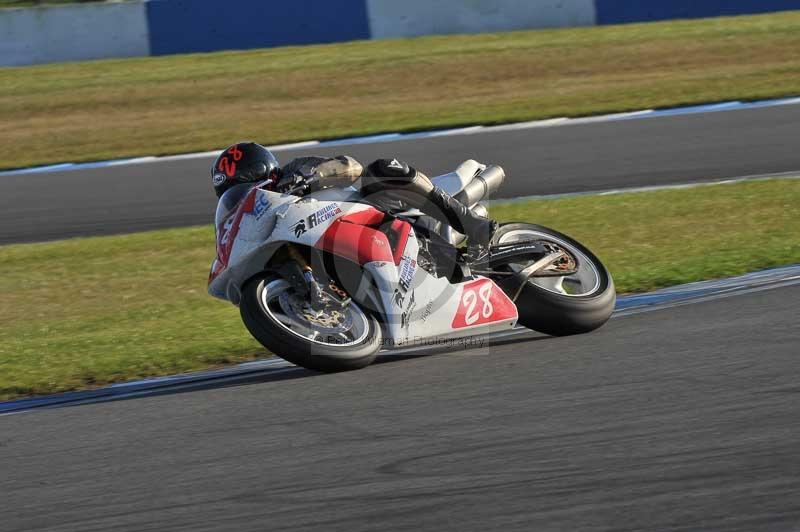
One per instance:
(331, 318)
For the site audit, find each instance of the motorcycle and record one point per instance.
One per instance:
(326, 279)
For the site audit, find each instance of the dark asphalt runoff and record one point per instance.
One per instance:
(573, 158)
(682, 419)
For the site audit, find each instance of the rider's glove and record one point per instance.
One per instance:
(289, 181)
(298, 184)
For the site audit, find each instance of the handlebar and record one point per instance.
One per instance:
(302, 186)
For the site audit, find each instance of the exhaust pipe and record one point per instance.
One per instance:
(481, 210)
(482, 186)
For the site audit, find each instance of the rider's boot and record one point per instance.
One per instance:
(415, 189)
(479, 230)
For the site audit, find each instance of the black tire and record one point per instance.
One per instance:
(563, 315)
(301, 351)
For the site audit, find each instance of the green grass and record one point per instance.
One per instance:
(106, 109)
(86, 312)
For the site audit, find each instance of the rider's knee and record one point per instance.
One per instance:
(388, 175)
(393, 169)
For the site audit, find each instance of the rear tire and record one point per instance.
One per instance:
(255, 307)
(560, 314)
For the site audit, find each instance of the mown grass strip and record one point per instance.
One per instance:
(86, 312)
(159, 105)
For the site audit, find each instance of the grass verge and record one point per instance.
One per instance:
(86, 312)
(158, 105)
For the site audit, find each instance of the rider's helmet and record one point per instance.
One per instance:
(245, 162)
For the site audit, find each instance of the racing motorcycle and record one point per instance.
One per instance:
(326, 279)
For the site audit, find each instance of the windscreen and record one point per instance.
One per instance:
(229, 200)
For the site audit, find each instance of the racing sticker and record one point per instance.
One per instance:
(261, 206)
(323, 215)
(408, 267)
(299, 228)
(481, 302)
(405, 318)
(218, 179)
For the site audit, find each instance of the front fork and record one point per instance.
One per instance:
(300, 274)
(312, 287)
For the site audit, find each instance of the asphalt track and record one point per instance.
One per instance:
(549, 160)
(686, 418)
(681, 419)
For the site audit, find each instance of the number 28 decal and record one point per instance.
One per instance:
(470, 300)
(227, 163)
(483, 302)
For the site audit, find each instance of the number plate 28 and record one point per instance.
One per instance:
(482, 302)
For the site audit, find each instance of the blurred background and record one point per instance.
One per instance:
(68, 31)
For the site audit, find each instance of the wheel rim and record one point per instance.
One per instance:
(584, 282)
(280, 303)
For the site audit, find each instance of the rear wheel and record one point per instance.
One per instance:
(336, 339)
(573, 296)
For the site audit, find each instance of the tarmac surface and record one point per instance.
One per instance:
(568, 158)
(685, 418)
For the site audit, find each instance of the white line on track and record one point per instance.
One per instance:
(729, 181)
(468, 130)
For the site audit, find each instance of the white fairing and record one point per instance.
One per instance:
(419, 305)
(415, 305)
(253, 233)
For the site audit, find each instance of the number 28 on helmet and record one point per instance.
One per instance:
(245, 162)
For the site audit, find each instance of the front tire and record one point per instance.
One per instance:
(545, 304)
(269, 310)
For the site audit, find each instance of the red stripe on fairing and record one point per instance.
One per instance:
(355, 242)
(229, 236)
(368, 216)
(403, 229)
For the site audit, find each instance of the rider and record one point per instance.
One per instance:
(391, 183)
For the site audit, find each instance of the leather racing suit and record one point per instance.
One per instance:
(393, 185)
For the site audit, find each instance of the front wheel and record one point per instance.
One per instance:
(573, 297)
(337, 339)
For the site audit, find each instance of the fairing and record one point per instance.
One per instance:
(413, 303)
